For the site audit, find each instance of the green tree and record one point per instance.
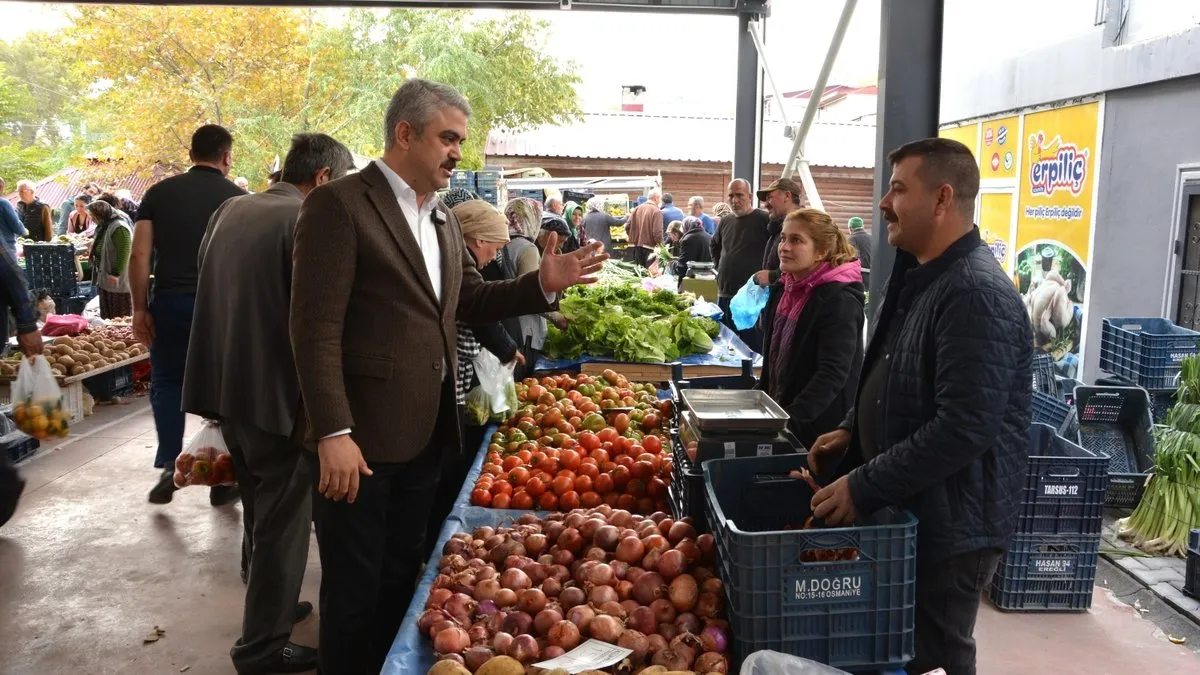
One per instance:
(38, 107)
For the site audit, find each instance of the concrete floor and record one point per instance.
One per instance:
(88, 568)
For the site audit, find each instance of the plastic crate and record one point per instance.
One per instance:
(687, 488)
(851, 614)
(1117, 422)
(1066, 389)
(1065, 486)
(744, 380)
(1046, 573)
(725, 446)
(462, 178)
(18, 445)
(111, 384)
(1043, 374)
(487, 178)
(1148, 351)
(538, 196)
(1052, 411)
(1191, 577)
(51, 268)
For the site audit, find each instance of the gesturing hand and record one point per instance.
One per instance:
(560, 271)
(341, 463)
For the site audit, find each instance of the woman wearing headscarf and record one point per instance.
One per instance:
(695, 246)
(485, 232)
(813, 325)
(109, 259)
(521, 255)
(596, 223)
(573, 214)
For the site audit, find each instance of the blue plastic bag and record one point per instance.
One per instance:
(748, 304)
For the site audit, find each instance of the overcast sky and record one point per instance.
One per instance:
(687, 63)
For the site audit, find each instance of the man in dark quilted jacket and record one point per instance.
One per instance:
(940, 424)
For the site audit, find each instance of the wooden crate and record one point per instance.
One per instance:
(72, 398)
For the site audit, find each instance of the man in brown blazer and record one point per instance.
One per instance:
(240, 371)
(380, 275)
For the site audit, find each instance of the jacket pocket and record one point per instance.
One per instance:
(367, 365)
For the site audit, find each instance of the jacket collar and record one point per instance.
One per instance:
(285, 190)
(916, 277)
(383, 197)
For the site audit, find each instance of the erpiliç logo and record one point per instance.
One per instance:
(1056, 165)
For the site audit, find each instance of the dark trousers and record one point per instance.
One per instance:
(948, 594)
(751, 336)
(641, 255)
(371, 554)
(455, 466)
(276, 491)
(172, 314)
(11, 487)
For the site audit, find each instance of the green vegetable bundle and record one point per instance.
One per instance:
(1170, 506)
(629, 324)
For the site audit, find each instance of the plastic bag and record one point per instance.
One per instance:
(748, 304)
(38, 402)
(479, 407)
(705, 308)
(205, 460)
(767, 662)
(496, 381)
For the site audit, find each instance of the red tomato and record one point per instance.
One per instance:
(627, 502)
(656, 488)
(667, 467)
(607, 435)
(604, 484)
(511, 462)
(620, 477)
(519, 475)
(546, 477)
(652, 444)
(653, 460)
(612, 499)
(570, 460)
(607, 467)
(535, 487)
(625, 445)
(501, 501)
(587, 461)
(647, 505)
(525, 456)
(502, 487)
(566, 472)
(562, 485)
(493, 469)
(522, 500)
(642, 471)
(625, 461)
(589, 441)
(548, 501)
(549, 465)
(651, 421)
(637, 488)
(481, 497)
(590, 500)
(493, 458)
(621, 422)
(600, 456)
(583, 484)
(589, 470)
(569, 500)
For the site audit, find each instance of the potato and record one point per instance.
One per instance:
(66, 361)
(107, 353)
(51, 360)
(77, 370)
(119, 345)
(499, 665)
(451, 668)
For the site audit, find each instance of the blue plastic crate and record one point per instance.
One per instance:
(1116, 421)
(1046, 573)
(1148, 351)
(1065, 485)
(51, 268)
(1043, 374)
(1048, 409)
(1191, 577)
(538, 196)
(462, 178)
(18, 445)
(851, 614)
(487, 178)
(111, 384)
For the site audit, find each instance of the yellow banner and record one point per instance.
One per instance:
(998, 148)
(995, 223)
(968, 135)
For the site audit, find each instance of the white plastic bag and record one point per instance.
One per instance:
(38, 402)
(496, 380)
(767, 662)
(205, 460)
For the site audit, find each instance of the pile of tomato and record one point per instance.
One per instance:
(565, 448)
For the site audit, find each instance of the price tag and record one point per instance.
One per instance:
(591, 655)
(764, 449)
(730, 449)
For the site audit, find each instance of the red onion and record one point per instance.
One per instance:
(531, 601)
(602, 594)
(642, 620)
(671, 564)
(607, 537)
(658, 516)
(688, 623)
(604, 510)
(606, 628)
(646, 528)
(713, 585)
(563, 557)
(714, 639)
(457, 658)
(602, 575)
(486, 609)
(574, 519)
(664, 525)
(581, 572)
(680, 531)
(451, 641)
(596, 553)
(491, 541)
(501, 642)
(495, 623)
(460, 607)
(505, 597)
(476, 564)
(664, 611)
(535, 544)
(545, 559)
(559, 572)
(504, 549)
(624, 590)
(637, 641)
(650, 562)
(552, 587)
(571, 540)
(620, 569)
(703, 574)
(671, 660)
(553, 530)
(518, 623)
(515, 580)
(690, 551)
(613, 609)
(486, 590)
(438, 598)
(454, 562)
(476, 656)
(656, 542)
(648, 588)
(524, 648)
(545, 619)
(657, 643)
(712, 662)
(590, 527)
(483, 532)
(537, 573)
(528, 519)
(581, 616)
(552, 652)
(708, 606)
(630, 550)
(683, 592)
(668, 630)
(478, 634)
(620, 518)
(633, 573)
(686, 645)
(572, 596)
(564, 634)
(454, 546)
(428, 618)
(486, 573)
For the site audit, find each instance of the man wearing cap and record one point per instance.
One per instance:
(782, 197)
(860, 239)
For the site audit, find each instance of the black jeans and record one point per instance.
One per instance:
(371, 554)
(273, 480)
(455, 466)
(948, 594)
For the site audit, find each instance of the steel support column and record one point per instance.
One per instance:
(910, 77)
(747, 118)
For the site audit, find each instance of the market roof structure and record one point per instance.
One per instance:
(68, 183)
(676, 138)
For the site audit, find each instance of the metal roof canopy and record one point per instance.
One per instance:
(715, 7)
(599, 184)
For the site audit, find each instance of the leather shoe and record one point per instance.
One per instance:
(293, 658)
(165, 489)
(220, 495)
(304, 610)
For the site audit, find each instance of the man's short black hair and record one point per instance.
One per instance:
(210, 142)
(945, 162)
(312, 152)
(667, 198)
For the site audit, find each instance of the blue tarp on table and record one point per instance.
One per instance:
(728, 350)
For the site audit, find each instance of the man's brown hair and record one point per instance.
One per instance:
(945, 162)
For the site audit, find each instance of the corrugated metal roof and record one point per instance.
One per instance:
(66, 184)
(685, 139)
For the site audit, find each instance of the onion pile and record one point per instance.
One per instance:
(540, 588)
